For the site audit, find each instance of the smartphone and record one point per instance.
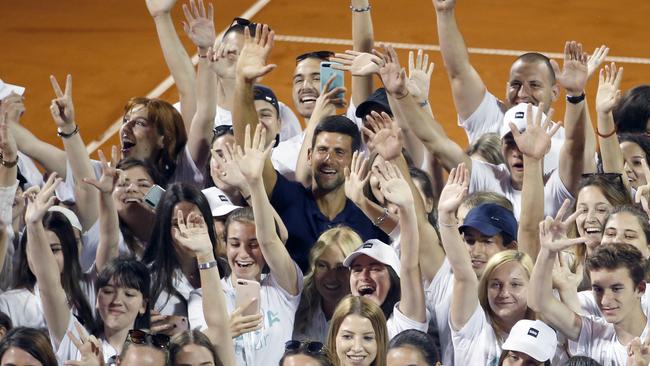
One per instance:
(326, 72)
(153, 196)
(245, 291)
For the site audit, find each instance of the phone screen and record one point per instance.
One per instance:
(326, 72)
(153, 196)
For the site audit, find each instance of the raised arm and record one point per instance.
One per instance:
(467, 87)
(397, 191)
(10, 109)
(62, 110)
(464, 298)
(42, 260)
(251, 65)
(362, 41)
(251, 163)
(109, 225)
(192, 234)
(534, 143)
(575, 151)
(552, 236)
(178, 62)
(406, 108)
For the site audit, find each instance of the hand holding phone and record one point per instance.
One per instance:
(247, 295)
(152, 198)
(326, 72)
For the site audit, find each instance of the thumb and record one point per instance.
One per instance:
(515, 131)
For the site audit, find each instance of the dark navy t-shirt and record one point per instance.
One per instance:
(298, 209)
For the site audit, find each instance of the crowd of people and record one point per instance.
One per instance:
(220, 232)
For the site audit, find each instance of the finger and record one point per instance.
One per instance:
(83, 335)
(76, 341)
(430, 70)
(646, 169)
(68, 85)
(210, 12)
(247, 137)
(418, 61)
(188, 17)
(329, 82)
(56, 87)
(202, 8)
(554, 129)
(562, 211)
(256, 137)
(368, 132)
(411, 63)
(619, 78)
(115, 157)
(102, 157)
(515, 131)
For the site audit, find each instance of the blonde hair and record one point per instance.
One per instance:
(492, 265)
(346, 240)
(363, 307)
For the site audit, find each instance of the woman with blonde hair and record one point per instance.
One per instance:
(358, 334)
(327, 282)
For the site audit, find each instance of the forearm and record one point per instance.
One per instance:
(179, 65)
(243, 111)
(362, 41)
(532, 207)
(589, 155)
(109, 228)
(86, 196)
(572, 153)
(215, 310)
(412, 301)
(8, 175)
(50, 157)
(303, 170)
(457, 254)
(610, 150)
(201, 129)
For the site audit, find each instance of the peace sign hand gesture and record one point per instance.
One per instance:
(61, 107)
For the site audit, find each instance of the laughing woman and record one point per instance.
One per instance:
(253, 245)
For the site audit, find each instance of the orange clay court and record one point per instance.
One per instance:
(111, 48)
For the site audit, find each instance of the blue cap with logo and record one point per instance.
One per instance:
(491, 219)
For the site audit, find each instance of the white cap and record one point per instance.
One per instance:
(220, 204)
(377, 250)
(517, 115)
(69, 214)
(532, 337)
(6, 89)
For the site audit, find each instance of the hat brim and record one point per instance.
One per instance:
(485, 228)
(366, 107)
(8, 88)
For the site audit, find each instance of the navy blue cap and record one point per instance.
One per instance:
(377, 101)
(262, 92)
(491, 219)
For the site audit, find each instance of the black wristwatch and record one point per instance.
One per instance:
(575, 99)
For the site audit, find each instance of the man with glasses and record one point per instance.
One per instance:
(144, 349)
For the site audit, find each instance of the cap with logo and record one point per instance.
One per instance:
(491, 219)
(532, 337)
(261, 92)
(220, 204)
(378, 250)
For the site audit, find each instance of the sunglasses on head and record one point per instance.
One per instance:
(609, 177)
(322, 55)
(137, 336)
(222, 130)
(309, 347)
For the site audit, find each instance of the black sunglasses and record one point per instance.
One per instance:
(322, 55)
(314, 348)
(137, 336)
(222, 130)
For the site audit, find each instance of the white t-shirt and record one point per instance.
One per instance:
(475, 343)
(285, 156)
(598, 340)
(488, 118)
(167, 304)
(316, 329)
(438, 301)
(496, 178)
(289, 124)
(7, 195)
(68, 351)
(23, 308)
(264, 346)
(398, 322)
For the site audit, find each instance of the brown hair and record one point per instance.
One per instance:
(192, 337)
(615, 256)
(365, 308)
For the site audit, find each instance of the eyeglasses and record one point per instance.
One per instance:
(315, 348)
(322, 55)
(242, 22)
(137, 336)
(222, 130)
(610, 177)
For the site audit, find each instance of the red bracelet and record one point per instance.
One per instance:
(607, 134)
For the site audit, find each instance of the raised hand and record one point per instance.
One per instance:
(251, 63)
(12, 108)
(39, 200)
(564, 278)
(392, 73)
(553, 231)
(89, 347)
(393, 186)
(638, 354)
(327, 102)
(61, 107)
(444, 5)
(9, 108)
(240, 324)
(420, 71)
(642, 195)
(609, 93)
(226, 168)
(535, 141)
(574, 74)
(199, 25)
(110, 174)
(192, 233)
(356, 178)
(596, 58)
(357, 63)
(385, 137)
(159, 7)
(251, 159)
(455, 190)
(215, 54)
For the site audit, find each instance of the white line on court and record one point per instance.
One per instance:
(167, 83)
(434, 47)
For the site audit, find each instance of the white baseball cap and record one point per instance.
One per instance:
(532, 337)
(220, 204)
(6, 89)
(69, 214)
(377, 250)
(517, 115)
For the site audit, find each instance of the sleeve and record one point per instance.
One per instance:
(65, 190)
(554, 194)
(485, 177)
(290, 126)
(195, 310)
(398, 322)
(467, 337)
(351, 113)
(285, 193)
(67, 350)
(291, 300)
(441, 285)
(487, 118)
(186, 169)
(588, 303)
